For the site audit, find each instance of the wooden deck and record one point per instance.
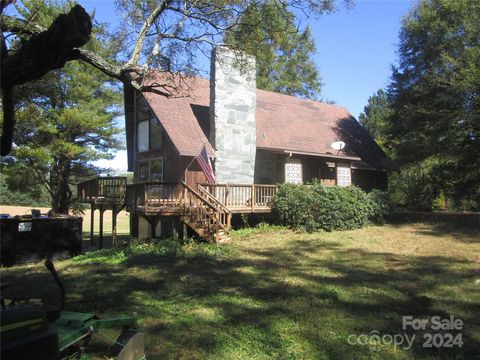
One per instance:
(168, 198)
(207, 209)
(102, 190)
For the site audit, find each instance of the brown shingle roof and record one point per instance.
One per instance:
(284, 123)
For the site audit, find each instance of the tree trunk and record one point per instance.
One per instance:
(59, 177)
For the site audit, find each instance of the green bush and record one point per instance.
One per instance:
(315, 207)
(382, 205)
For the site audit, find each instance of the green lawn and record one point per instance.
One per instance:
(276, 294)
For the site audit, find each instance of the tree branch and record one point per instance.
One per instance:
(44, 51)
(143, 32)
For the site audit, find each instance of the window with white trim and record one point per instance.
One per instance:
(344, 175)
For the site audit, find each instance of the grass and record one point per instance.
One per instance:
(123, 223)
(276, 294)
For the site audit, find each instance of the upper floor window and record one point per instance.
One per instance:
(149, 130)
(143, 135)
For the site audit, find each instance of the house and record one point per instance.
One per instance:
(255, 138)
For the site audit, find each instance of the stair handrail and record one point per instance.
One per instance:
(219, 224)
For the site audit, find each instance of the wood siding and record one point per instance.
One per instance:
(270, 169)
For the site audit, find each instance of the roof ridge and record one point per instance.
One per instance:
(335, 106)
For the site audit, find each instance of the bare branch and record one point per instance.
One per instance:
(143, 32)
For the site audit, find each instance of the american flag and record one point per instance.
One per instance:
(204, 162)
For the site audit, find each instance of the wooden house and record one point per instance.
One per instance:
(255, 138)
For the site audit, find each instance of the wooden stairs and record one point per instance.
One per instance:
(206, 215)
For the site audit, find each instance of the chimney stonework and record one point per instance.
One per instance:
(232, 116)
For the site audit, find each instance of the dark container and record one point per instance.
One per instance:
(26, 239)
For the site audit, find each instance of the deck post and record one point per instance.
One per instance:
(175, 231)
(184, 231)
(252, 202)
(92, 221)
(153, 227)
(114, 225)
(227, 190)
(145, 197)
(100, 242)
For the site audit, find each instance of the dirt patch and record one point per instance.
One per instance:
(20, 210)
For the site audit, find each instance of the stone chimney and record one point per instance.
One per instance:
(232, 115)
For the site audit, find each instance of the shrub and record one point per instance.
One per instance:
(382, 205)
(315, 207)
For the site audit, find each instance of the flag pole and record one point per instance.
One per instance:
(191, 162)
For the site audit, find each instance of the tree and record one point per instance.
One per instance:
(375, 118)
(283, 53)
(435, 92)
(65, 119)
(151, 32)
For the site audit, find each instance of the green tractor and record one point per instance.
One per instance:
(31, 331)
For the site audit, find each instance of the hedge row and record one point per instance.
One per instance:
(315, 207)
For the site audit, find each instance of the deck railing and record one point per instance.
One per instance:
(157, 197)
(109, 188)
(238, 196)
(151, 196)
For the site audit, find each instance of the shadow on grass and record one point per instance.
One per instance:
(290, 301)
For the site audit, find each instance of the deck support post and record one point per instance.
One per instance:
(92, 224)
(184, 231)
(100, 238)
(153, 222)
(175, 231)
(114, 225)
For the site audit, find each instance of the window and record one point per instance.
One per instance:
(156, 169)
(149, 130)
(293, 172)
(143, 136)
(151, 170)
(143, 171)
(156, 134)
(344, 175)
(143, 110)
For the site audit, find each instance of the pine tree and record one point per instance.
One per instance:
(66, 119)
(375, 117)
(435, 94)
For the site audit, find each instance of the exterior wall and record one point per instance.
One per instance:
(174, 165)
(232, 117)
(270, 169)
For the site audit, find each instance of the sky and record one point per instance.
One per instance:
(355, 51)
